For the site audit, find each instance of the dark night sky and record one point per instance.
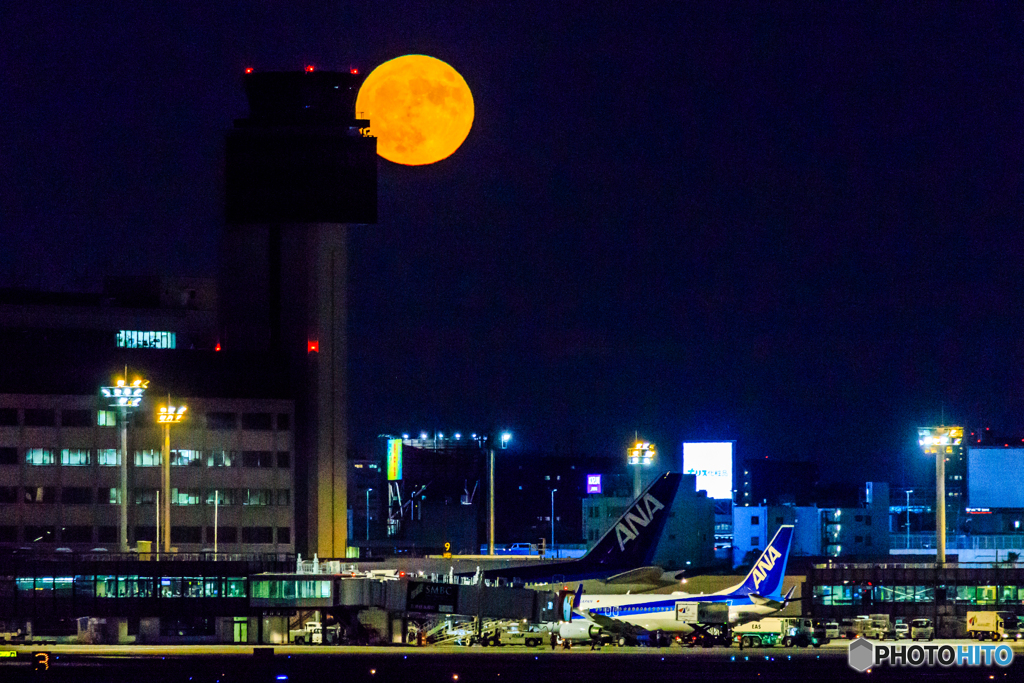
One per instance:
(797, 230)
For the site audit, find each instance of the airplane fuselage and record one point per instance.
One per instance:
(659, 612)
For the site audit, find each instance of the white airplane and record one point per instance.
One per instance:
(629, 617)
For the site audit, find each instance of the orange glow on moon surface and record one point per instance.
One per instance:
(420, 109)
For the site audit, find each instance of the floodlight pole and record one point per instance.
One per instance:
(124, 479)
(165, 484)
(940, 507)
(909, 491)
(490, 502)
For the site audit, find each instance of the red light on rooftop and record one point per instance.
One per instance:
(217, 347)
(309, 68)
(248, 69)
(353, 71)
(312, 346)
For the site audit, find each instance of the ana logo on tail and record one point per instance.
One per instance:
(765, 565)
(642, 514)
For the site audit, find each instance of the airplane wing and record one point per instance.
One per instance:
(649, 575)
(611, 625)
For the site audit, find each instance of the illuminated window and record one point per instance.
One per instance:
(39, 456)
(221, 459)
(148, 458)
(110, 497)
(186, 458)
(106, 418)
(75, 457)
(108, 457)
(224, 496)
(132, 339)
(185, 496)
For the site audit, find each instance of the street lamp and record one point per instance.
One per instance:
(368, 513)
(553, 518)
(167, 416)
(909, 491)
(125, 398)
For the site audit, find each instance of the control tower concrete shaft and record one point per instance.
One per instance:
(300, 172)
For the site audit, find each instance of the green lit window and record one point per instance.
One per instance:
(148, 458)
(75, 457)
(106, 418)
(39, 456)
(186, 458)
(967, 594)
(221, 459)
(185, 496)
(213, 587)
(235, 588)
(986, 595)
(108, 457)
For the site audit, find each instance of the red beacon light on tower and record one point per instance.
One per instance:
(309, 68)
(354, 71)
(248, 69)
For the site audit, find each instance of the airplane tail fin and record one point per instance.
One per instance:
(632, 540)
(765, 577)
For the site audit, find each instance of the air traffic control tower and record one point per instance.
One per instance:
(300, 172)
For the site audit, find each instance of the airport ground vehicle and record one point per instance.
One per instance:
(902, 630)
(784, 631)
(992, 626)
(313, 633)
(873, 627)
(832, 630)
(922, 629)
(514, 636)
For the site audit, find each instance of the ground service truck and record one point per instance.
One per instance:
(772, 631)
(992, 626)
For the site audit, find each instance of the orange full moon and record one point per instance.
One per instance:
(420, 109)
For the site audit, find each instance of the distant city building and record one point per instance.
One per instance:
(861, 531)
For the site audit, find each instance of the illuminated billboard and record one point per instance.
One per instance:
(712, 463)
(394, 459)
(593, 483)
(995, 477)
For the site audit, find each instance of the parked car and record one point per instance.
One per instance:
(902, 630)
